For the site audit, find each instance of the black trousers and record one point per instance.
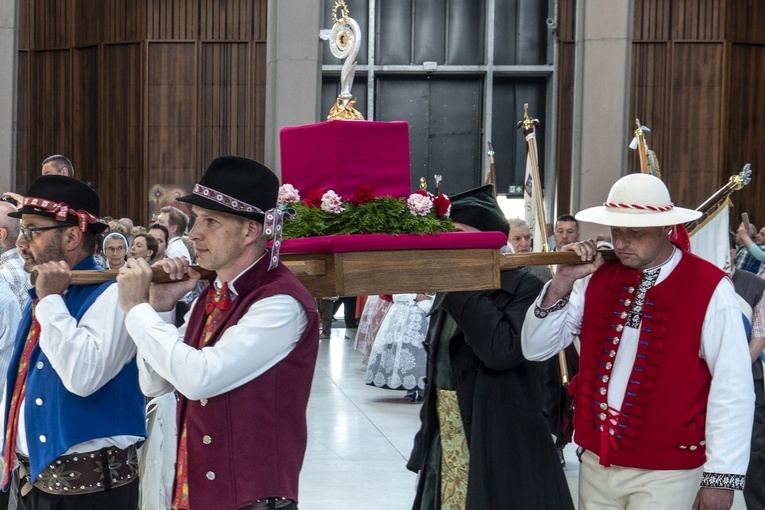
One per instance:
(121, 498)
(754, 490)
(349, 310)
(557, 400)
(325, 314)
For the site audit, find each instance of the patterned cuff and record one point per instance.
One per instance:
(723, 481)
(541, 313)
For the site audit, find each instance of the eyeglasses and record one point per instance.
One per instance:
(28, 232)
(115, 249)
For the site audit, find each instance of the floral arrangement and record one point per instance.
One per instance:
(324, 212)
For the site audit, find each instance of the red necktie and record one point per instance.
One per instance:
(216, 303)
(19, 390)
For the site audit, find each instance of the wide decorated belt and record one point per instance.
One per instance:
(83, 473)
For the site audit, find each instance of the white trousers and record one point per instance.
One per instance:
(623, 488)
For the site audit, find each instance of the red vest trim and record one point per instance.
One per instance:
(249, 443)
(662, 420)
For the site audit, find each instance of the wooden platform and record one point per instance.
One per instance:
(395, 271)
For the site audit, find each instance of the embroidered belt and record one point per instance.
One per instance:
(268, 504)
(83, 473)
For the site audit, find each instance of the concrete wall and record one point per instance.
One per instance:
(293, 72)
(602, 130)
(8, 52)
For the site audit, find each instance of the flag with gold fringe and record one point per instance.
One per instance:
(709, 238)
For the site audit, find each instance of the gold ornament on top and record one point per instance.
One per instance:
(344, 43)
(343, 10)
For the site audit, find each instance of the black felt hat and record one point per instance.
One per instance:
(64, 199)
(237, 186)
(479, 209)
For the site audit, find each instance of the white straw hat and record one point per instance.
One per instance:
(638, 200)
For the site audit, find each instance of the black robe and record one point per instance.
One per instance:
(513, 460)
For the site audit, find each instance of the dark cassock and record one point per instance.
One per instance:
(484, 442)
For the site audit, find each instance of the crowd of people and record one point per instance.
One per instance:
(665, 401)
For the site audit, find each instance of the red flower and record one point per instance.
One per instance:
(421, 192)
(442, 204)
(313, 198)
(364, 193)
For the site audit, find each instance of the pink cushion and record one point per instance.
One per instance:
(343, 154)
(376, 242)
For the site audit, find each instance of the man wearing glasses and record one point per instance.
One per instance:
(72, 404)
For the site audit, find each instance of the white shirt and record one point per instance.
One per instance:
(262, 337)
(730, 404)
(85, 355)
(12, 271)
(10, 316)
(411, 300)
(176, 248)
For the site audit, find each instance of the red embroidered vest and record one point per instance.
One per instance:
(248, 444)
(662, 420)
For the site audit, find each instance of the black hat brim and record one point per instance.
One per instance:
(96, 228)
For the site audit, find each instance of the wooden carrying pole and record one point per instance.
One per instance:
(507, 262)
(510, 261)
(95, 276)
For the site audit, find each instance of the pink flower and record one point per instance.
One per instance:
(332, 203)
(443, 205)
(419, 204)
(288, 194)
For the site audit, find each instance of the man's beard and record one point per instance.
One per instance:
(51, 253)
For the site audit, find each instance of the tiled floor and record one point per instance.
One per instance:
(360, 437)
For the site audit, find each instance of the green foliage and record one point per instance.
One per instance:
(310, 222)
(383, 215)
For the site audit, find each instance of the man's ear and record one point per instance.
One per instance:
(3, 234)
(254, 230)
(72, 238)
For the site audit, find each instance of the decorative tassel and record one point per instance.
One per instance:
(679, 237)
